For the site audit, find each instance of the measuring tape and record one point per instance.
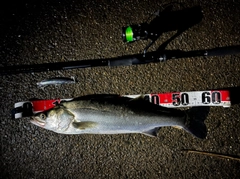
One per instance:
(170, 100)
(189, 99)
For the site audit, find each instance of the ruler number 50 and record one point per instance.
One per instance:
(178, 99)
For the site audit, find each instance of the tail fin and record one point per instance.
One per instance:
(195, 121)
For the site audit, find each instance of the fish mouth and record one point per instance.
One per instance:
(37, 121)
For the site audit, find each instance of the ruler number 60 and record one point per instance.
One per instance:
(214, 98)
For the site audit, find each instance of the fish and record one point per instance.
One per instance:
(56, 81)
(114, 114)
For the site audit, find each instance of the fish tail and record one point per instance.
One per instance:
(195, 121)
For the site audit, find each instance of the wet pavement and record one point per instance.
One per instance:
(52, 31)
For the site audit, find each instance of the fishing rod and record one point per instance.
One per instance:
(150, 57)
(164, 21)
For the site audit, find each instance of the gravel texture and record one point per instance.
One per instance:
(34, 32)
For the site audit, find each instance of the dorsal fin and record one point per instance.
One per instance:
(152, 132)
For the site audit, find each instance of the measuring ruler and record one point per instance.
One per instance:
(189, 99)
(170, 100)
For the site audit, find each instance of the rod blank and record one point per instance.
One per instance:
(150, 57)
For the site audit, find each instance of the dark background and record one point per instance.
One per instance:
(34, 32)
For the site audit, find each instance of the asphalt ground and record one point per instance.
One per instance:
(52, 31)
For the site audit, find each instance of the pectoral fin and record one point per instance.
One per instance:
(152, 132)
(84, 125)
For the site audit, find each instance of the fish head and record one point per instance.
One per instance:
(44, 120)
(56, 119)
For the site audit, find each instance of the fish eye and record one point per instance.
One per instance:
(42, 116)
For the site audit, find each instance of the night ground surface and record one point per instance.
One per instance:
(52, 31)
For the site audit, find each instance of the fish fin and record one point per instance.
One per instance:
(177, 127)
(140, 97)
(195, 121)
(98, 97)
(84, 125)
(152, 132)
(141, 103)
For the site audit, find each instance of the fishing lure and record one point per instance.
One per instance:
(56, 81)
